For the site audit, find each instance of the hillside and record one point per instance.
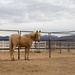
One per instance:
(70, 37)
(46, 37)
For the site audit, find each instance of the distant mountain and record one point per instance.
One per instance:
(53, 37)
(46, 37)
(43, 37)
(70, 37)
(6, 38)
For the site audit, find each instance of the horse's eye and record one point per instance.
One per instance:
(36, 35)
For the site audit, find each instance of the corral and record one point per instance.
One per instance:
(39, 64)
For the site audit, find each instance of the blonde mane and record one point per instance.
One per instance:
(32, 33)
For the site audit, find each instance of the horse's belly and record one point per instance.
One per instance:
(24, 45)
(25, 42)
(21, 45)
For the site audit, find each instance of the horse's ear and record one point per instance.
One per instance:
(39, 30)
(36, 31)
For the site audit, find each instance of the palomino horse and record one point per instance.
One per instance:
(16, 40)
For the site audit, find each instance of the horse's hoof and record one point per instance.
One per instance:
(25, 58)
(28, 59)
(12, 59)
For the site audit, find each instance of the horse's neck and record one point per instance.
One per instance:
(32, 35)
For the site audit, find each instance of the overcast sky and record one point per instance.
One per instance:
(45, 15)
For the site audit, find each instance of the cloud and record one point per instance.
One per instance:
(36, 14)
(31, 10)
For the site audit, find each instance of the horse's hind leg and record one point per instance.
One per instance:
(11, 49)
(12, 58)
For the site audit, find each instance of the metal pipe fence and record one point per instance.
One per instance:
(50, 43)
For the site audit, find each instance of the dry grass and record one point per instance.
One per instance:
(39, 64)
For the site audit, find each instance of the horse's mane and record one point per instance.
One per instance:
(30, 34)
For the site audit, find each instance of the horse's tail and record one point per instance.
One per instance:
(10, 45)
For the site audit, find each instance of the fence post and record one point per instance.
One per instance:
(35, 45)
(68, 47)
(39, 46)
(19, 32)
(60, 47)
(49, 38)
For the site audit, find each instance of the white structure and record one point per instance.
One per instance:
(41, 44)
(4, 44)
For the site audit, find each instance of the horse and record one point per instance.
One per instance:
(26, 40)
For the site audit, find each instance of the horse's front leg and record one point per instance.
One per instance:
(25, 54)
(28, 53)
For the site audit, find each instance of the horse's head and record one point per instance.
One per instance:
(37, 35)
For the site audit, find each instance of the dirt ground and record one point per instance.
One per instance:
(39, 64)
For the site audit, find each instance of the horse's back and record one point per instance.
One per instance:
(14, 39)
(14, 35)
